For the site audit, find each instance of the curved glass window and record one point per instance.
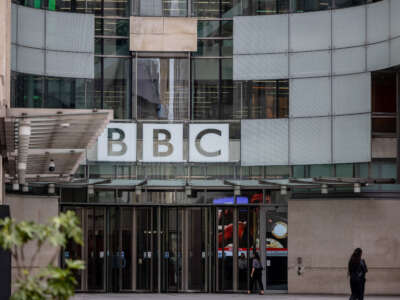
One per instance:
(311, 5)
(265, 7)
(199, 8)
(51, 92)
(158, 8)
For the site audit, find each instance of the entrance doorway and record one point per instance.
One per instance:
(179, 248)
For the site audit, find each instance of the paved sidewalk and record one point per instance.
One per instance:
(198, 296)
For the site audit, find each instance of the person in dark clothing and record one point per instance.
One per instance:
(256, 274)
(356, 270)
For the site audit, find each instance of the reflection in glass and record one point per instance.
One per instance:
(111, 27)
(73, 250)
(65, 93)
(311, 5)
(248, 239)
(216, 8)
(348, 3)
(225, 248)
(265, 7)
(116, 82)
(212, 89)
(112, 46)
(265, 99)
(28, 90)
(197, 248)
(116, 8)
(95, 245)
(167, 8)
(277, 249)
(162, 88)
(52, 92)
(207, 28)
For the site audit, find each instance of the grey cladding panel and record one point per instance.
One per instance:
(30, 60)
(70, 32)
(352, 138)
(310, 141)
(30, 27)
(266, 66)
(264, 142)
(68, 64)
(249, 39)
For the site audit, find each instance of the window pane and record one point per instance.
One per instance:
(347, 3)
(212, 89)
(384, 92)
(28, 91)
(162, 88)
(208, 48)
(205, 8)
(112, 27)
(116, 8)
(169, 8)
(214, 28)
(344, 170)
(264, 99)
(116, 82)
(265, 7)
(175, 8)
(66, 93)
(112, 47)
(311, 5)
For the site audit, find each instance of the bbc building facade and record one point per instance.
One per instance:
(239, 126)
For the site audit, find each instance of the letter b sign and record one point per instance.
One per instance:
(117, 143)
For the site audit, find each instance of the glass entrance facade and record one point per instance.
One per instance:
(181, 248)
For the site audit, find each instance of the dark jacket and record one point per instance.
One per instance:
(357, 271)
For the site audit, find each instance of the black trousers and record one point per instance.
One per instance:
(357, 289)
(256, 278)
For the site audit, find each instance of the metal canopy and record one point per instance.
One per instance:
(35, 137)
(273, 184)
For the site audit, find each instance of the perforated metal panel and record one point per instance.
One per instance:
(69, 32)
(394, 18)
(310, 31)
(349, 26)
(264, 142)
(30, 27)
(395, 52)
(307, 64)
(265, 66)
(310, 141)
(30, 60)
(310, 97)
(253, 35)
(69, 64)
(378, 56)
(351, 94)
(378, 22)
(352, 138)
(349, 60)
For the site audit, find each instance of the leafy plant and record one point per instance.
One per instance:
(49, 282)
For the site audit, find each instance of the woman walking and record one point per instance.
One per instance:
(256, 274)
(357, 269)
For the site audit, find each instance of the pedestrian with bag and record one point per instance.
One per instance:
(356, 270)
(256, 274)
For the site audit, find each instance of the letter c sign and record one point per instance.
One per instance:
(209, 142)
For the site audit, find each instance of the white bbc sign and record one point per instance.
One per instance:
(164, 143)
